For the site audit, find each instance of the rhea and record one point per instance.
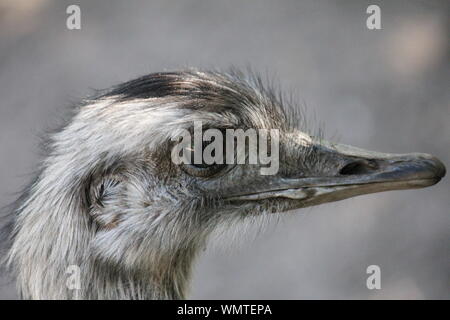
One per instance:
(110, 201)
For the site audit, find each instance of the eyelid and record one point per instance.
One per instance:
(207, 172)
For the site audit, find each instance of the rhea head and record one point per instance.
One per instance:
(113, 193)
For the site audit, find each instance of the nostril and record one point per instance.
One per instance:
(359, 167)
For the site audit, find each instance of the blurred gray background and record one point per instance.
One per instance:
(386, 90)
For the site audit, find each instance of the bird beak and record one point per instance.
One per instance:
(344, 171)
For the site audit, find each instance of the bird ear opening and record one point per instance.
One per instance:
(104, 196)
(105, 191)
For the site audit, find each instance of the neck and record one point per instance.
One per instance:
(161, 280)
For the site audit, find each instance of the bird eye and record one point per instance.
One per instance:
(201, 169)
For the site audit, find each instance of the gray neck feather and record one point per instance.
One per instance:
(53, 233)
